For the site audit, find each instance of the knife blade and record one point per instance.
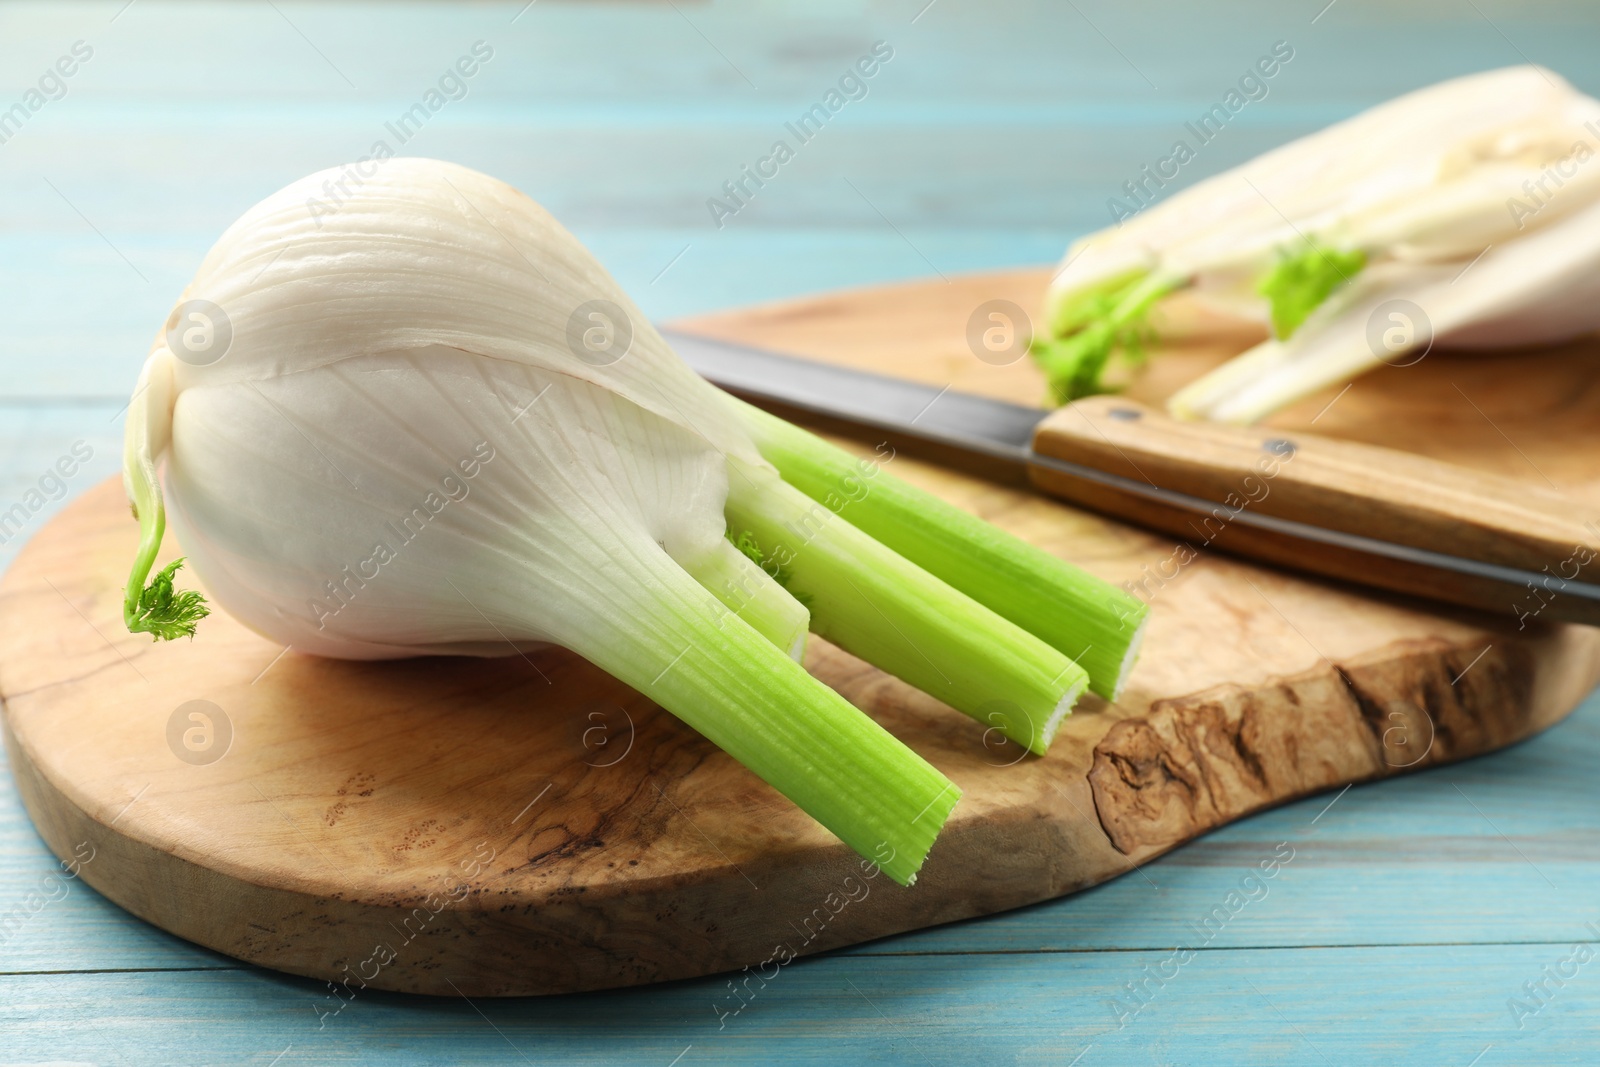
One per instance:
(1375, 516)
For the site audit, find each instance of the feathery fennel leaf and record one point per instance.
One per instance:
(163, 611)
(1112, 323)
(1300, 282)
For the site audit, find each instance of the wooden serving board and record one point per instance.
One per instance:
(529, 826)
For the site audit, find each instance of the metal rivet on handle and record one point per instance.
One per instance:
(1125, 414)
(1279, 447)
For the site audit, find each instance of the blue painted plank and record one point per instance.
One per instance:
(48, 455)
(985, 146)
(1283, 1006)
(642, 51)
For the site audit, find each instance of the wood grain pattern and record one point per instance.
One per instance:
(1346, 486)
(356, 800)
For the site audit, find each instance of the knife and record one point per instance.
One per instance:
(1362, 513)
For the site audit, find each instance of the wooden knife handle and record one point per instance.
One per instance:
(1376, 492)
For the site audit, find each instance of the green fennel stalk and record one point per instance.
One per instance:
(1090, 620)
(1299, 283)
(880, 606)
(748, 697)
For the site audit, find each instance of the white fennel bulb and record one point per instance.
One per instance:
(399, 450)
(430, 422)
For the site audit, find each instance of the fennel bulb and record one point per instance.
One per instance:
(440, 427)
(1319, 239)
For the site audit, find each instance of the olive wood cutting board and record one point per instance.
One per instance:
(526, 825)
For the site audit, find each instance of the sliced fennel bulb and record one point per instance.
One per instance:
(1414, 189)
(1515, 292)
(405, 449)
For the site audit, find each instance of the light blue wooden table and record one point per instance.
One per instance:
(1413, 913)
